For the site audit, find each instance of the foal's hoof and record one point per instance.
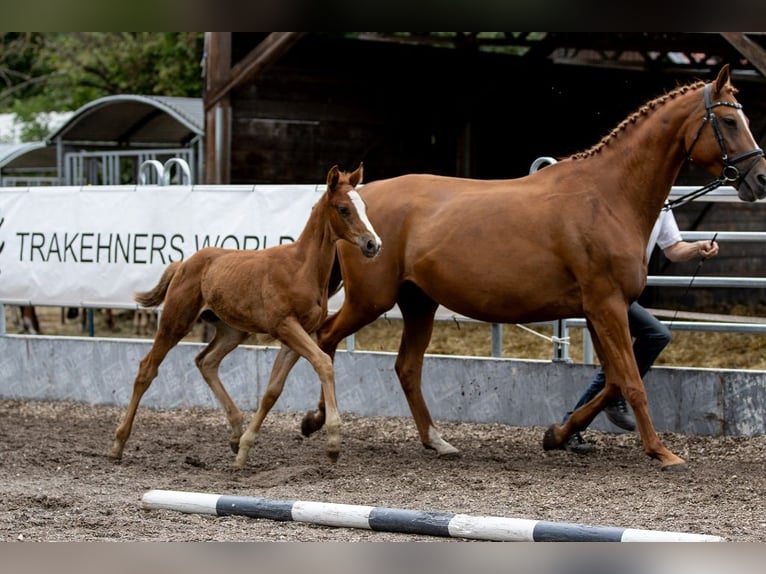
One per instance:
(234, 445)
(333, 456)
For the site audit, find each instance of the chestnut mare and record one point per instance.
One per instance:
(565, 241)
(280, 291)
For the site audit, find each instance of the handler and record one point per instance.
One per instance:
(650, 336)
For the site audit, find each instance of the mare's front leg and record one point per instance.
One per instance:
(611, 327)
(286, 359)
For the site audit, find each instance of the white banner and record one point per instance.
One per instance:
(97, 245)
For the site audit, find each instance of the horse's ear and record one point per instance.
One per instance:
(723, 79)
(356, 177)
(332, 178)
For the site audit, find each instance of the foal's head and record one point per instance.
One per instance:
(726, 146)
(347, 211)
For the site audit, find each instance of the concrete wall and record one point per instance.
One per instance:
(513, 392)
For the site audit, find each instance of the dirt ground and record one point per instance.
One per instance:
(57, 483)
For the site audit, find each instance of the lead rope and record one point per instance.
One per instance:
(555, 340)
(689, 286)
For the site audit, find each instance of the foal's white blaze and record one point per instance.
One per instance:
(356, 199)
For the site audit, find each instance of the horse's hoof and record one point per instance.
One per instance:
(443, 449)
(234, 446)
(449, 454)
(333, 456)
(549, 439)
(675, 467)
(116, 453)
(309, 424)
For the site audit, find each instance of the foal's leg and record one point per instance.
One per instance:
(291, 333)
(176, 322)
(347, 321)
(286, 359)
(226, 339)
(418, 312)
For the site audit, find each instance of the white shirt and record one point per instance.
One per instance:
(665, 232)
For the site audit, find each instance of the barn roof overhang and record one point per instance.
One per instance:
(676, 52)
(27, 156)
(695, 53)
(134, 121)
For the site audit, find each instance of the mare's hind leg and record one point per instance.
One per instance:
(175, 324)
(286, 359)
(418, 312)
(225, 340)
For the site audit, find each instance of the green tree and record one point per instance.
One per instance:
(61, 71)
(21, 71)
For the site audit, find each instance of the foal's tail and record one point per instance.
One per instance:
(156, 296)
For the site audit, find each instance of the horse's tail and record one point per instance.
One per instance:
(156, 296)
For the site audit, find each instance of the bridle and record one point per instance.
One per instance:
(730, 172)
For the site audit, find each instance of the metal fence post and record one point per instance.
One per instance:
(497, 340)
(587, 347)
(560, 341)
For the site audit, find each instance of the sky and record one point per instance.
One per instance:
(10, 131)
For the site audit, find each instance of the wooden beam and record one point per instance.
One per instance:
(217, 136)
(754, 53)
(268, 51)
(217, 60)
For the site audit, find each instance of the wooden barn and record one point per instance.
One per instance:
(283, 107)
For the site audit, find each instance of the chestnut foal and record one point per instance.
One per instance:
(280, 291)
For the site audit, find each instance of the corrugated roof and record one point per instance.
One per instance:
(27, 155)
(134, 120)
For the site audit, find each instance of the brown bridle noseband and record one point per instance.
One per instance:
(730, 173)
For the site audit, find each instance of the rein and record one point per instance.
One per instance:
(730, 172)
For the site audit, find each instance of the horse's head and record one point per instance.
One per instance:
(727, 148)
(348, 211)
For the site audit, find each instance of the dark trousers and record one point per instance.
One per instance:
(650, 337)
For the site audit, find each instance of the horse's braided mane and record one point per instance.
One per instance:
(643, 111)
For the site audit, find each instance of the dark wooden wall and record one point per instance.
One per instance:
(404, 109)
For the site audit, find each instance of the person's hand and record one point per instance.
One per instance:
(707, 249)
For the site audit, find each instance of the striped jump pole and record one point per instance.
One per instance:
(423, 522)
